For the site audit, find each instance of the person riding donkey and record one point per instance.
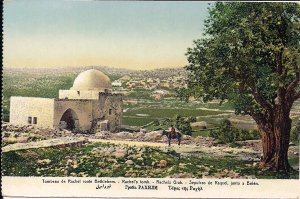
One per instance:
(172, 134)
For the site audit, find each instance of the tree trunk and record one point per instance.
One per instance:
(282, 128)
(268, 143)
(275, 136)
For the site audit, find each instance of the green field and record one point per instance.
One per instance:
(136, 121)
(160, 113)
(200, 132)
(157, 113)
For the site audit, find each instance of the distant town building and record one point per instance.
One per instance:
(89, 105)
(117, 84)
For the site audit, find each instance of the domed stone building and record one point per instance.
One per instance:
(89, 105)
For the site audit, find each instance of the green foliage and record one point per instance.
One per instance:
(250, 56)
(139, 94)
(17, 164)
(183, 124)
(183, 94)
(249, 51)
(203, 133)
(226, 133)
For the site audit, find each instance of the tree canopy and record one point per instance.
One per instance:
(248, 55)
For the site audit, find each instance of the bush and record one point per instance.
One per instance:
(228, 134)
(183, 124)
(254, 134)
(225, 124)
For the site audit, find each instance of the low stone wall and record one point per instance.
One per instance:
(56, 143)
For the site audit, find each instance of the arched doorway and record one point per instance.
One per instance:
(69, 120)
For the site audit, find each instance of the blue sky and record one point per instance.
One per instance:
(128, 34)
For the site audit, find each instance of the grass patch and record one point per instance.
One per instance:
(131, 117)
(170, 113)
(136, 121)
(294, 160)
(203, 133)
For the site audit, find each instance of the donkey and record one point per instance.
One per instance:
(171, 136)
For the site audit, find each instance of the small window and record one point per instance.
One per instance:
(34, 120)
(29, 120)
(110, 111)
(78, 92)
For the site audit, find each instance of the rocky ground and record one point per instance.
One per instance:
(131, 150)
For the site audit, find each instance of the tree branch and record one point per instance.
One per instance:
(278, 60)
(281, 69)
(265, 104)
(296, 81)
(258, 98)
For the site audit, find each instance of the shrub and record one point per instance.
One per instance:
(183, 124)
(244, 135)
(192, 119)
(225, 124)
(254, 134)
(228, 134)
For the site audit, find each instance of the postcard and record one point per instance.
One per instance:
(150, 99)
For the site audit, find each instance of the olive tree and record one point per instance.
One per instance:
(249, 55)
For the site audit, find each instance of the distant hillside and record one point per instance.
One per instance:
(64, 71)
(110, 71)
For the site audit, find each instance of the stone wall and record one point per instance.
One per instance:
(21, 108)
(82, 108)
(49, 112)
(109, 107)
